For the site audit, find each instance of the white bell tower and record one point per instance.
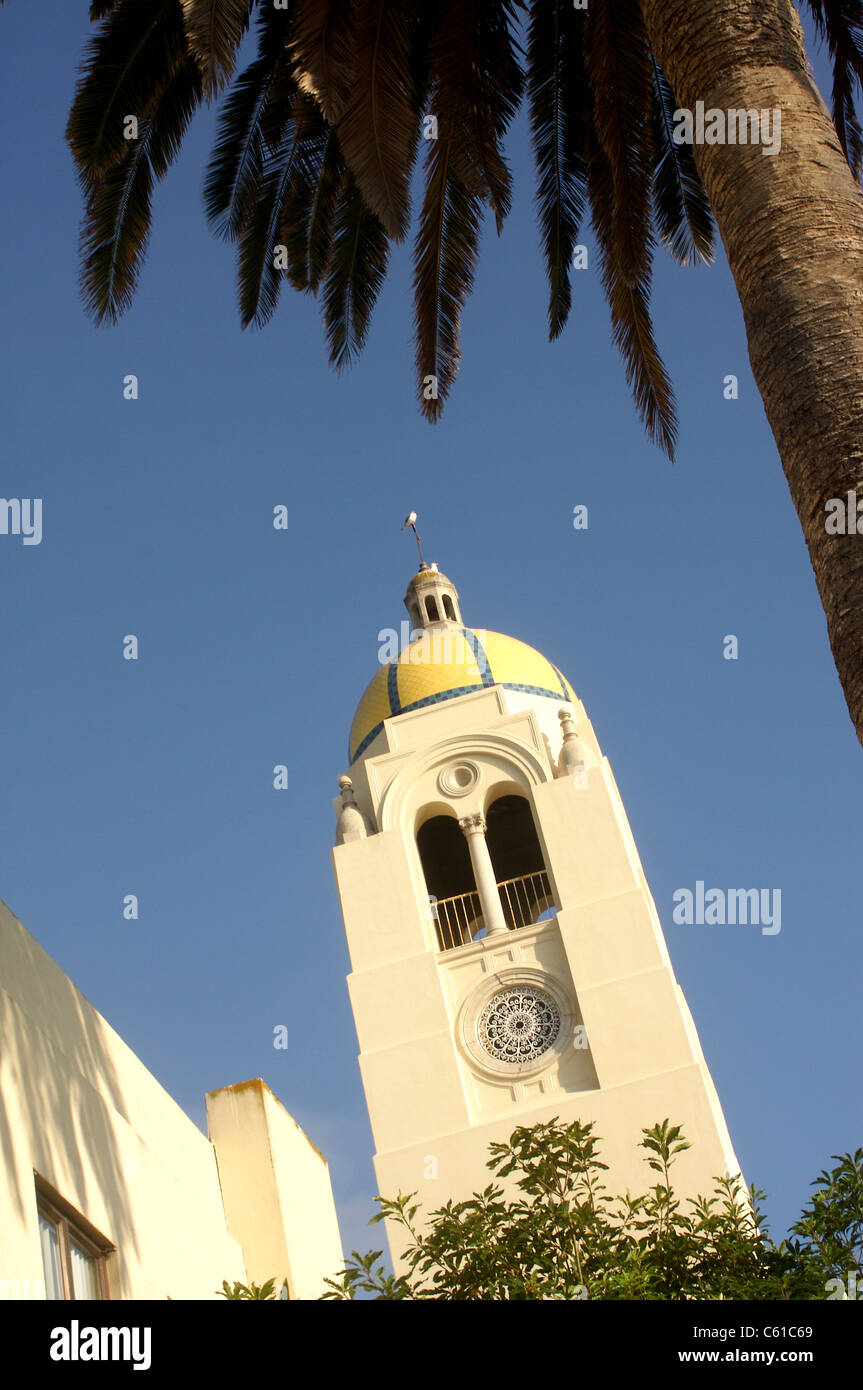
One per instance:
(508, 963)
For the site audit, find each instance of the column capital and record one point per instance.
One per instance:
(473, 825)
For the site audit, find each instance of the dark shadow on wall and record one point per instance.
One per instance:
(58, 1084)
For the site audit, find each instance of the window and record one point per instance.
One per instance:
(432, 609)
(74, 1255)
(512, 839)
(445, 859)
(519, 867)
(448, 608)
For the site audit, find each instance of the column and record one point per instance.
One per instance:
(473, 829)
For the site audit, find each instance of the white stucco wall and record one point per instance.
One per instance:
(276, 1188)
(81, 1110)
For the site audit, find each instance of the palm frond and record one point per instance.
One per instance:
(617, 56)
(840, 22)
(445, 259)
(215, 30)
(632, 334)
(323, 50)
(475, 84)
(115, 233)
(681, 206)
(501, 83)
(322, 209)
(425, 22)
(260, 280)
(378, 129)
(355, 273)
(241, 145)
(116, 224)
(280, 97)
(559, 103)
(307, 219)
(631, 326)
(128, 63)
(99, 8)
(169, 119)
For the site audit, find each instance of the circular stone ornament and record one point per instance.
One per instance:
(519, 1024)
(516, 1023)
(457, 779)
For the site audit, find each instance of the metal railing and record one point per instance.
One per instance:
(523, 899)
(459, 919)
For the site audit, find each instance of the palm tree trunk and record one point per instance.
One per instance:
(792, 226)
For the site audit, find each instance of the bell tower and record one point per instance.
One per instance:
(508, 962)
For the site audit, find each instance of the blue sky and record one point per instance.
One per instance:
(155, 777)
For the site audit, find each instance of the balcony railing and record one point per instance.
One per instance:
(524, 899)
(459, 920)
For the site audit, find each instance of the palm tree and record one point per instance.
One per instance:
(318, 137)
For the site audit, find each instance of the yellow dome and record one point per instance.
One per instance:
(445, 663)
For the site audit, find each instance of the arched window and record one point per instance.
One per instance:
(446, 864)
(449, 610)
(432, 609)
(516, 856)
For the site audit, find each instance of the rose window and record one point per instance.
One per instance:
(519, 1024)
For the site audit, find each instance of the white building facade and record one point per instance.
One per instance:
(109, 1190)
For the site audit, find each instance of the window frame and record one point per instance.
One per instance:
(73, 1228)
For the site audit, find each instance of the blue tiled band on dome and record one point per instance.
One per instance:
(480, 654)
(393, 686)
(442, 695)
(369, 738)
(560, 678)
(534, 690)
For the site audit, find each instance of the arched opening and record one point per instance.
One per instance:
(516, 856)
(448, 608)
(432, 609)
(453, 898)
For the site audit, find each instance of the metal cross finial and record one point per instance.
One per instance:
(411, 521)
